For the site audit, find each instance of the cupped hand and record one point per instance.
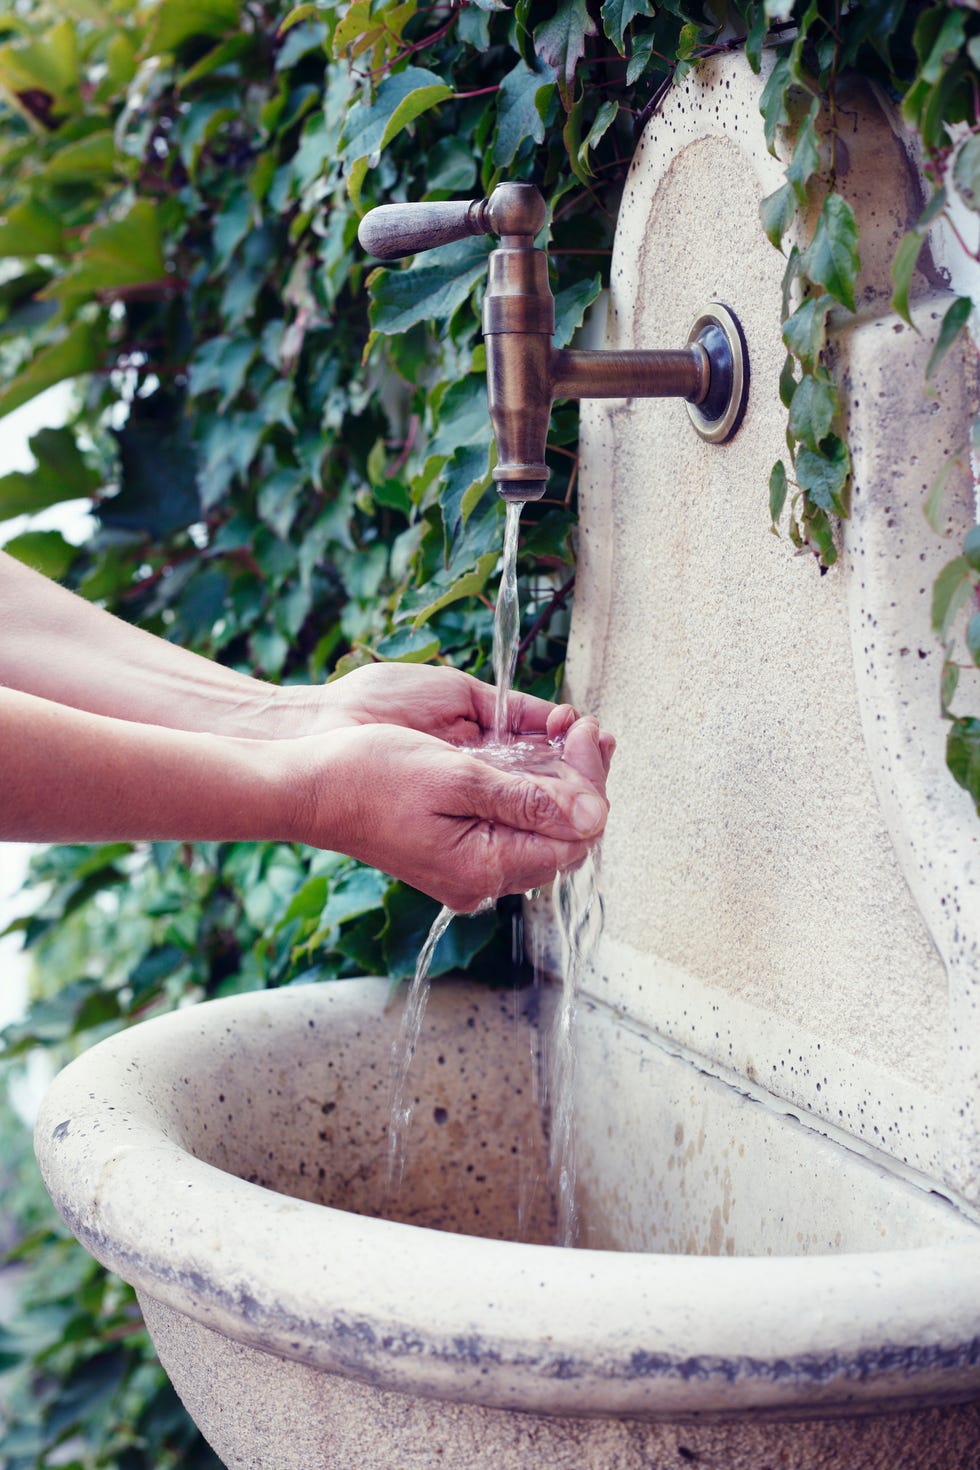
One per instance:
(440, 701)
(449, 824)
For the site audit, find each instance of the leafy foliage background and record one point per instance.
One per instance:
(287, 451)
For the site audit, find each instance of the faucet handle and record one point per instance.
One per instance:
(513, 211)
(394, 230)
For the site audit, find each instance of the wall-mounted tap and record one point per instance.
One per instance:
(525, 371)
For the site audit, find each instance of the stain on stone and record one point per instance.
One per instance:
(61, 1131)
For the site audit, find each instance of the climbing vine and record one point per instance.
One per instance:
(287, 451)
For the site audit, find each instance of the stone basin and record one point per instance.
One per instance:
(229, 1161)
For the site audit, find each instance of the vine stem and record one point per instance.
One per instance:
(557, 600)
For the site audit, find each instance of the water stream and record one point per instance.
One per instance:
(506, 623)
(578, 915)
(403, 1050)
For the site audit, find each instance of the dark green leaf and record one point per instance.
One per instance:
(426, 292)
(776, 212)
(46, 551)
(812, 410)
(949, 593)
(948, 684)
(966, 172)
(62, 473)
(945, 46)
(31, 228)
(175, 22)
(772, 104)
(902, 269)
(79, 351)
(806, 154)
(934, 500)
(973, 638)
(571, 306)
(963, 756)
(831, 259)
(521, 106)
(971, 548)
(953, 323)
(777, 491)
(787, 381)
(805, 332)
(560, 42)
(618, 16)
(823, 474)
(401, 98)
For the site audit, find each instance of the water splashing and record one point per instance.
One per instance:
(578, 913)
(403, 1050)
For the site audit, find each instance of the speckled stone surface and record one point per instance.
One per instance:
(792, 876)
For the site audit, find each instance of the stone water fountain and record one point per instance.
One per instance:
(778, 1048)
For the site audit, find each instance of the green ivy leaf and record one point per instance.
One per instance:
(820, 536)
(934, 500)
(46, 551)
(618, 16)
(963, 756)
(31, 228)
(641, 53)
(776, 212)
(772, 103)
(78, 351)
(806, 153)
(175, 22)
(560, 42)
(787, 381)
(777, 492)
(949, 680)
(940, 50)
(973, 638)
(971, 548)
(428, 292)
(949, 593)
(812, 410)
(831, 259)
(521, 107)
(449, 589)
(823, 474)
(953, 323)
(805, 332)
(462, 483)
(92, 157)
(966, 172)
(401, 98)
(902, 270)
(408, 646)
(571, 306)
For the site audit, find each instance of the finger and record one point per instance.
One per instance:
(584, 753)
(560, 721)
(492, 861)
(607, 749)
(569, 809)
(527, 714)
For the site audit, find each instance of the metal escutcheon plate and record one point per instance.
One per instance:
(720, 412)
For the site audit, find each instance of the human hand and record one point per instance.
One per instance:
(439, 701)
(444, 821)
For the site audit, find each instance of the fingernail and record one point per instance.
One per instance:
(588, 814)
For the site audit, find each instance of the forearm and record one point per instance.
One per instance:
(70, 776)
(58, 646)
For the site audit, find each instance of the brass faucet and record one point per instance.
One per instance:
(525, 371)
